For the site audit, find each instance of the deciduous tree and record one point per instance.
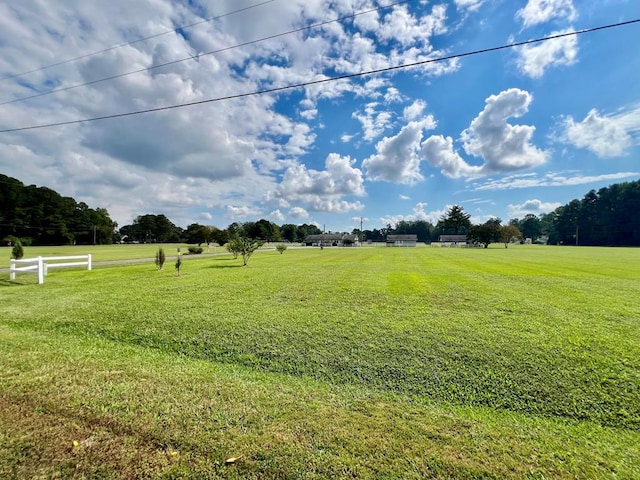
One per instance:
(508, 233)
(243, 246)
(486, 233)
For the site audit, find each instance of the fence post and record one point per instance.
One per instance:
(40, 271)
(89, 262)
(12, 274)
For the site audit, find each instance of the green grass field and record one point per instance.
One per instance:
(341, 363)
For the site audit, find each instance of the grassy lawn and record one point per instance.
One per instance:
(341, 363)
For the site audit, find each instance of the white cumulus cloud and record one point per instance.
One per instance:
(298, 212)
(242, 212)
(439, 152)
(419, 213)
(374, 123)
(397, 158)
(604, 135)
(277, 215)
(541, 11)
(534, 206)
(535, 59)
(415, 110)
(321, 190)
(502, 146)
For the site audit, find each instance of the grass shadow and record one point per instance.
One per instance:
(226, 266)
(225, 262)
(5, 282)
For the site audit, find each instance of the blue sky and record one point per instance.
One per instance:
(506, 133)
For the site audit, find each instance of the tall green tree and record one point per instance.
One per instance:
(530, 226)
(221, 237)
(421, 228)
(198, 234)
(305, 230)
(265, 230)
(152, 228)
(289, 232)
(567, 226)
(236, 230)
(374, 235)
(454, 221)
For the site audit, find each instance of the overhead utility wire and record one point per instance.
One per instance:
(183, 27)
(324, 80)
(198, 56)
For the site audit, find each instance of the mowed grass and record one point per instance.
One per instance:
(341, 363)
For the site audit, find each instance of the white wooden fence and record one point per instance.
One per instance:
(41, 265)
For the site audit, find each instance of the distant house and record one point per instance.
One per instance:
(332, 240)
(453, 239)
(410, 240)
(543, 239)
(349, 240)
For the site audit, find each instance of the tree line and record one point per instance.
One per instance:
(159, 229)
(608, 216)
(41, 216)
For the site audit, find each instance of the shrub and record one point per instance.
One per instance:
(160, 258)
(17, 252)
(235, 247)
(281, 247)
(195, 250)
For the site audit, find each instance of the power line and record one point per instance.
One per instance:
(198, 56)
(324, 80)
(184, 27)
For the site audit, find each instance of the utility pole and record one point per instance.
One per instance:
(94, 235)
(361, 234)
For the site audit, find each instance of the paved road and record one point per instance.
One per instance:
(150, 260)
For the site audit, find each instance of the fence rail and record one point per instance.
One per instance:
(41, 265)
